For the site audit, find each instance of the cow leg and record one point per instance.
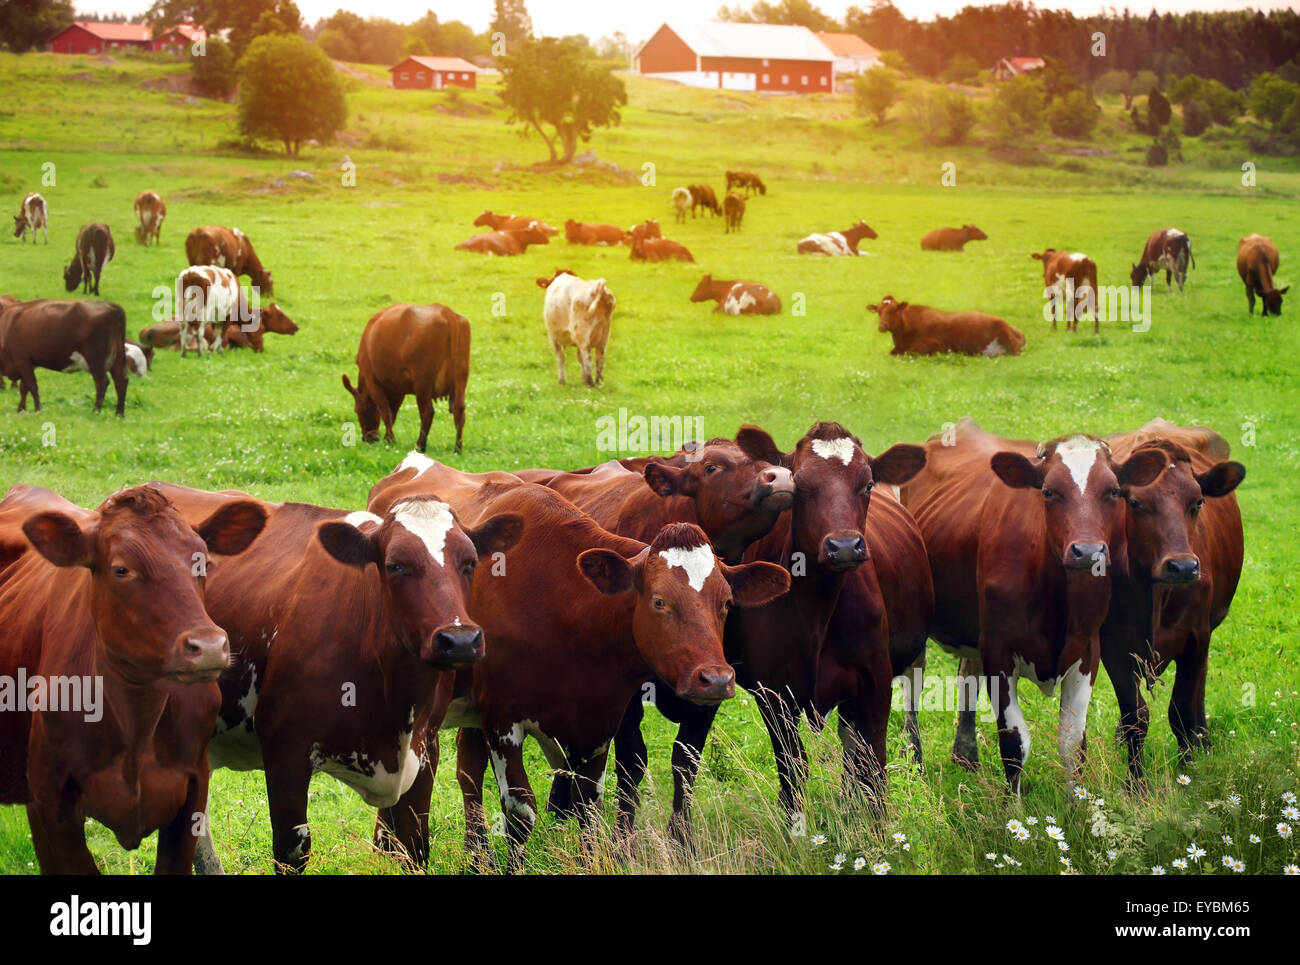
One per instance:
(518, 805)
(559, 359)
(965, 745)
(206, 861)
(1072, 723)
(457, 405)
(688, 751)
(863, 729)
(471, 764)
(1250, 301)
(27, 383)
(1013, 731)
(100, 379)
(387, 412)
(286, 797)
(425, 404)
(782, 722)
(118, 371)
(1134, 715)
(599, 350)
(629, 766)
(584, 356)
(60, 845)
(912, 679)
(589, 790)
(403, 829)
(1186, 711)
(177, 839)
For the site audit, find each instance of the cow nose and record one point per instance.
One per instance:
(1080, 556)
(203, 652)
(458, 645)
(1181, 569)
(713, 685)
(845, 549)
(775, 489)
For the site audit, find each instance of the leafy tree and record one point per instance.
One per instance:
(288, 90)
(1017, 109)
(213, 74)
(1196, 117)
(894, 61)
(1271, 97)
(25, 24)
(240, 17)
(552, 89)
(1159, 112)
(958, 117)
(510, 19)
(1073, 116)
(875, 91)
(336, 44)
(960, 69)
(800, 13)
(415, 46)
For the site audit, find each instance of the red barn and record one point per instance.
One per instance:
(434, 73)
(91, 37)
(178, 39)
(739, 56)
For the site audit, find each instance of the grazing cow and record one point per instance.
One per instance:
(269, 319)
(921, 330)
(1071, 274)
(1024, 544)
(737, 297)
(837, 242)
(578, 313)
(419, 350)
(747, 180)
(168, 335)
(577, 620)
(208, 295)
(95, 249)
(513, 222)
(1185, 551)
(681, 203)
(951, 239)
(1167, 248)
(591, 233)
(139, 359)
(114, 598)
(33, 214)
(1257, 261)
(65, 336)
(734, 206)
(150, 210)
(511, 241)
(656, 249)
(228, 248)
(702, 196)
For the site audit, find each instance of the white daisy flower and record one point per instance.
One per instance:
(818, 839)
(1195, 853)
(1081, 793)
(1065, 861)
(1283, 829)
(1288, 797)
(1238, 866)
(1291, 814)
(1049, 819)
(1254, 839)
(1227, 839)
(1022, 834)
(1179, 863)
(1158, 869)
(1031, 821)
(859, 864)
(1112, 854)
(907, 845)
(1228, 860)
(839, 858)
(1291, 869)
(1099, 802)
(1013, 825)
(1055, 833)
(991, 856)
(1184, 779)
(1234, 799)
(899, 837)
(880, 868)
(1062, 846)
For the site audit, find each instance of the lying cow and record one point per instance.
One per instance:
(737, 297)
(150, 211)
(837, 242)
(510, 241)
(951, 239)
(746, 179)
(516, 222)
(702, 196)
(95, 249)
(1257, 261)
(651, 227)
(1067, 272)
(921, 330)
(656, 249)
(734, 208)
(592, 233)
(228, 248)
(32, 214)
(1167, 248)
(65, 336)
(578, 313)
(139, 359)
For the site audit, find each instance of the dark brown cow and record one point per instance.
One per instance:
(228, 248)
(837, 242)
(66, 336)
(656, 249)
(952, 239)
(150, 210)
(747, 180)
(1185, 549)
(737, 297)
(734, 207)
(1022, 541)
(511, 241)
(1074, 278)
(592, 233)
(702, 196)
(1257, 261)
(419, 350)
(1167, 248)
(921, 330)
(94, 250)
(504, 222)
(111, 598)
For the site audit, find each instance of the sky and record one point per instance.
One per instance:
(637, 19)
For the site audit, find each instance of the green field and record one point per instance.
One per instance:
(277, 424)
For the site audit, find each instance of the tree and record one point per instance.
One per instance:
(25, 24)
(550, 88)
(1017, 109)
(288, 90)
(798, 13)
(960, 69)
(1196, 117)
(957, 115)
(213, 74)
(240, 17)
(875, 91)
(510, 19)
(1158, 110)
(894, 61)
(1270, 97)
(1073, 116)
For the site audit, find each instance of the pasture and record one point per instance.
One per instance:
(281, 426)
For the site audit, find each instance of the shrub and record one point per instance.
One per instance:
(960, 70)
(1196, 117)
(1157, 156)
(1074, 115)
(875, 92)
(213, 72)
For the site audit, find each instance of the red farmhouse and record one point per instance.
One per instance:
(434, 73)
(739, 56)
(94, 37)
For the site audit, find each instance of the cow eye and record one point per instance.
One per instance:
(659, 603)
(121, 572)
(1135, 502)
(1049, 493)
(1197, 507)
(396, 569)
(468, 568)
(726, 608)
(871, 484)
(1115, 493)
(710, 470)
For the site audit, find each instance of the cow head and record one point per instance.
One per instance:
(1082, 489)
(72, 275)
(973, 233)
(1138, 274)
(890, 312)
(487, 218)
(426, 561)
(704, 290)
(862, 230)
(366, 409)
(1273, 301)
(652, 229)
(273, 319)
(261, 278)
(571, 231)
(683, 594)
(1162, 515)
(146, 586)
(20, 225)
(533, 234)
(833, 479)
(762, 188)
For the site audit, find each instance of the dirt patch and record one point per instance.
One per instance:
(382, 204)
(444, 178)
(347, 70)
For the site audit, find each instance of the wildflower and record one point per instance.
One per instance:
(1112, 854)
(1010, 860)
(859, 863)
(1184, 779)
(899, 837)
(1234, 799)
(1195, 853)
(991, 856)
(1065, 861)
(1031, 821)
(1062, 846)
(1227, 839)
(1180, 863)
(836, 866)
(907, 845)
(1238, 866)
(1228, 860)
(818, 839)
(1254, 839)
(1158, 869)
(1049, 819)
(1283, 829)
(880, 868)
(1055, 833)
(1099, 802)
(1288, 797)
(1291, 814)
(1291, 869)
(1013, 825)
(1022, 834)
(1081, 793)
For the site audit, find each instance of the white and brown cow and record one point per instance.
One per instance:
(837, 242)
(33, 214)
(150, 211)
(1167, 248)
(206, 294)
(578, 313)
(1072, 276)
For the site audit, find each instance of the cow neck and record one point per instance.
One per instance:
(135, 704)
(620, 609)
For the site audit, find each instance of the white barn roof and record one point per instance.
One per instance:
(759, 40)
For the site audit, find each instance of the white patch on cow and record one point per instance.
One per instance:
(738, 299)
(509, 803)
(300, 848)
(248, 702)
(1015, 720)
(77, 363)
(359, 517)
(1172, 233)
(1079, 453)
(428, 519)
(1078, 256)
(841, 449)
(1076, 692)
(994, 349)
(514, 736)
(378, 786)
(697, 563)
(1026, 670)
(135, 361)
(417, 461)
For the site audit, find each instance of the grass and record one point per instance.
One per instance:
(276, 424)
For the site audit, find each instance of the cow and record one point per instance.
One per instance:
(747, 180)
(591, 233)
(1185, 552)
(737, 297)
(1167, 248)
(837, 242)
(139, 359)
(1072, 280)
(65, 336)
(734, 207)
(577, 620)
(270, 318)
(150, 210)
(168, 334)
(208, 295)
(651, 227)
(1257, 261)
(419, 350)
(921, 330)
(702, 196)
(511, 241)
(228, 248)
(33, 214)
(515, 222)
(681, 203)
(952, 239)
(577, 314)
(94, 250)
(112, 596)
(656, 249)
(1024, 543)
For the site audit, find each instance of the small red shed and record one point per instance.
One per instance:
(434, 73)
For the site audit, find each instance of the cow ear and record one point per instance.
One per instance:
(607, 571)
(1283, 291)
(348, 385)
(753, 584)
(498, 534)
(1036, 256)
(58, 538)
(901, 305)
(668, 480)
(897, 464)
(1017, 471)
(346, 543)
(1142, 468)
(1221, 479)
(874, 308)
(758, 444)
(233, 527)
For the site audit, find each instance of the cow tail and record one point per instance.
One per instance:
(112, 250)
(1189, 252)
(459, 362)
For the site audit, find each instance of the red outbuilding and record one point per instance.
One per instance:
(739, 56)
(434, 73)
(93, 37)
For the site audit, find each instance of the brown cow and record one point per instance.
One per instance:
(837, 242)
(592, 233)
(168, 334)
(419, 350)
(249, 334)
(94, 250)
(737, 297)
(652, 230)
(228, 248)
(734, 207)
(33, 214)
(511, 241)
(656, 249)
(921, 330)
(1072, 278)
(65, 336)
(111, 598)
(1167, 248)
(150, 210)
(1257, 261)
(747, 180)
(1022, 541)
(519, 222)
(951, 239)
(702, 196)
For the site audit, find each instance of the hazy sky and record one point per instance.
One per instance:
(638, 20)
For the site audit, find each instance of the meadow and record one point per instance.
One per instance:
(280, 425)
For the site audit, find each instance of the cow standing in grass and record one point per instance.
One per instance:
(734, 208)
(1080, 272)
(32, 214)
(150, 210)
(95, 249)
(1167, 248)
(578, 313)
(681, 203)
(1257, 261)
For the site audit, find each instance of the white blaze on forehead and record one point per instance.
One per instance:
(697, 563)
(417, 461)
(841, 449)
(428, 519)
(1079, 454)
(359, 517)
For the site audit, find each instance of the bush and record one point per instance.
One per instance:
(1017, 109)
(960, 70)
(1196, 117)
(1271, 97)
(1159, 112)
(875, 91)
(213, 73)
(1157, 156)
(1073, 116)
(894, 61)
(957, 115)
(289, 90)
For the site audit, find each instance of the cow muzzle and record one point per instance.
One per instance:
(843, 551)
(774, 492)
(1083, 556)
(198, 656)
(710, 686)
(1178, 570)
(454, 646)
